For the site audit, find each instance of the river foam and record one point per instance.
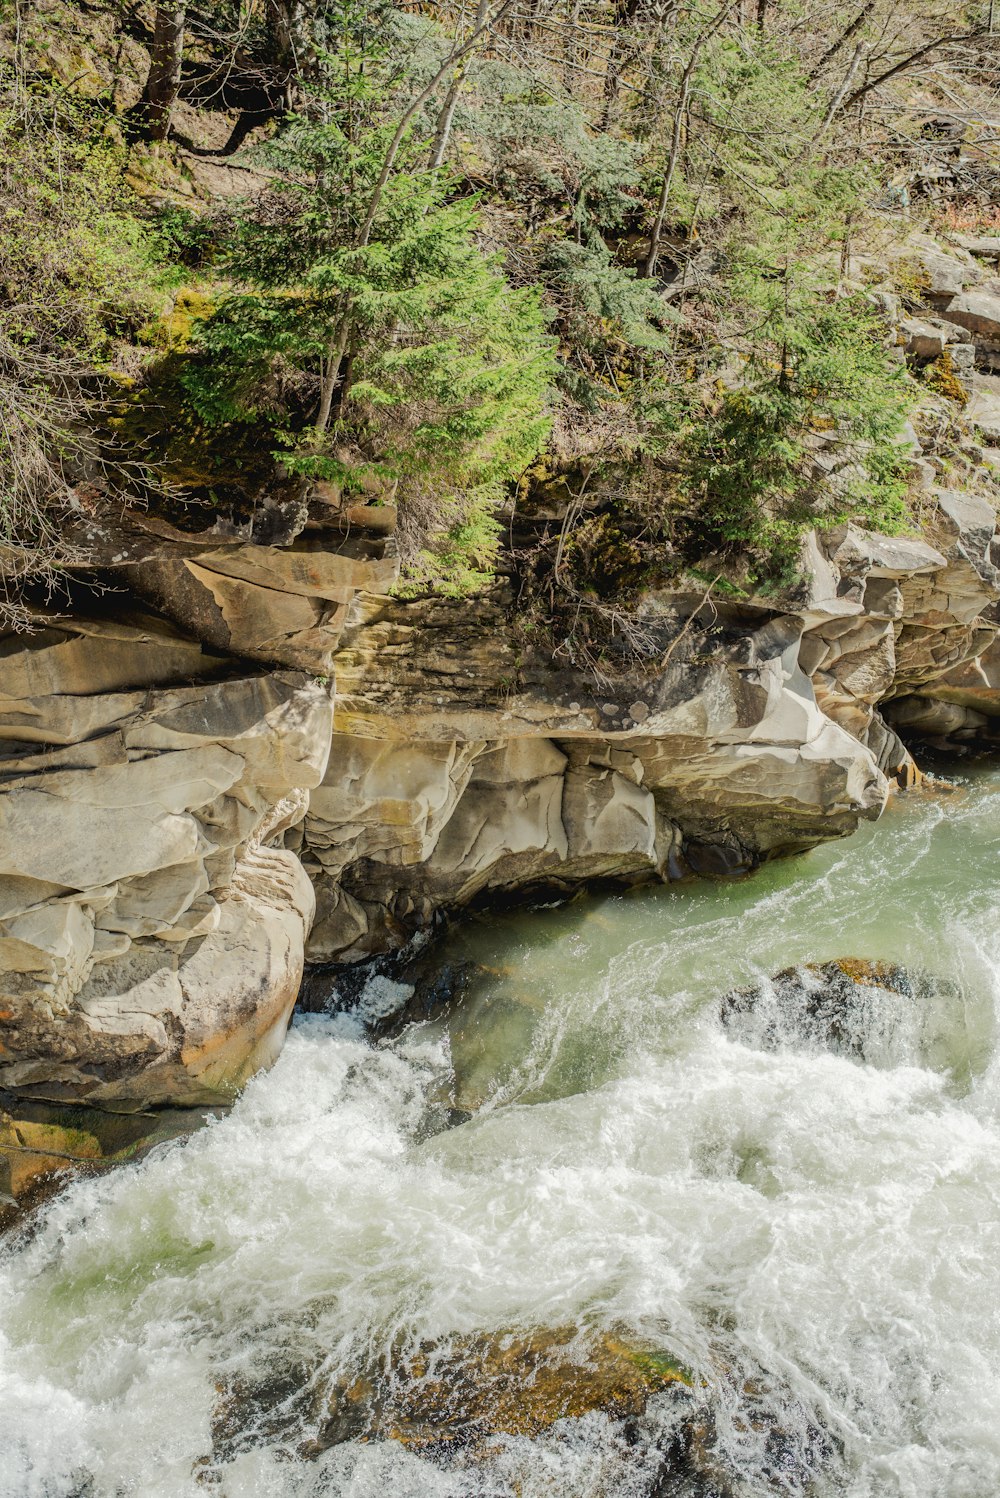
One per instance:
(817, 1238)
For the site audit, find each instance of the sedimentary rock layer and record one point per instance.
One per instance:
(180, 826)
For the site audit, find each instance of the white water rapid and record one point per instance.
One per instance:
(815, 1235)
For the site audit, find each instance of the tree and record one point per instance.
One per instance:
(380, 338)
(165, 58)
(77, 279)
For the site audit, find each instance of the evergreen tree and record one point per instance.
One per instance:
(362, 295)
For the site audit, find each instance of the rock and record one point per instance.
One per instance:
(42, 1145)
(419, 810)
(963, 363)
(268, 603)
(983, 412)
(780, 1449)
(864, 1009)
(942, 622)
(930, 593)
(381, 519)
(459, 1394)
(936, 273)
(89, 656)
(983, 246)
(155, 1022)
(973, 686)
(151, 926)
(163, 805)
(385, 801)
(938, 723)
(916, 613)
(344, 929)
(812, 1005)
(927, 337)
(866, 553)
(978, 312)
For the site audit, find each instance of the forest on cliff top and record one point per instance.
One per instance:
(460, 258)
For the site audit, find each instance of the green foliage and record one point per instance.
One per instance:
(942, 377)
(805, 366)
(78, 269)
(182, 240)
(432, 369)
(828, 383)
(78, 277)
(411, 332)
(538, 148)
(603, 301)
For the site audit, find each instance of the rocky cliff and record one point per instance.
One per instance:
(231, 757)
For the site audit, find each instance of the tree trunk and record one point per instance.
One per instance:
(296, 46)
(445, 121)
(164, 68)
(447, 115)
(677, 133)
(626, 16)
(331, 375)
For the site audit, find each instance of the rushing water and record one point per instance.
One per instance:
(816, 1236)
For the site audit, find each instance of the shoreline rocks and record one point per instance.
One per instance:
(182, 829)
(152, 925)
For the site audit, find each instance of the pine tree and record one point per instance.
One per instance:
(410, 356)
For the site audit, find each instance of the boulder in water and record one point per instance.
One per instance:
(462, 1393)
(42, 1144)
(861, 1008)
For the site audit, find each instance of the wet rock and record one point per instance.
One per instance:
(459, 1401)
(43, 1145)
(460, 1394)
(751, 1438)
(838, 1006)
(864, 1009)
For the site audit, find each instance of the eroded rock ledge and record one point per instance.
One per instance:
(181, 825)
(152, 922)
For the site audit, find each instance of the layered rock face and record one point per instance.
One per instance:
(462, 768)
(182, 825)
(447, 780)
(151, 923)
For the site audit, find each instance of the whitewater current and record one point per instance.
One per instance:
(812, 1228)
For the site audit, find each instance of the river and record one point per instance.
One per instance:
(809, 1222)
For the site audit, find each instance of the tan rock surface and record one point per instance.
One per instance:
(163, 811)
(448, 780)
(150, 942)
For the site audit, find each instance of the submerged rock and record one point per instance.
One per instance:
(840, 1006)
(461, 1402)
(751, 1439)
(866, 1009)
(463, 1393)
